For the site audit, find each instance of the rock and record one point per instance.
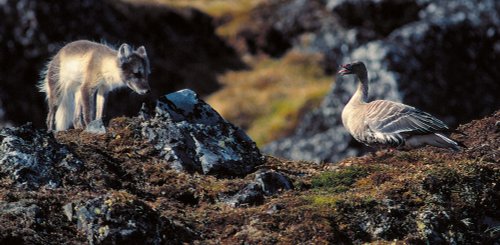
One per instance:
(266, 183)
(120, 218)
(96, 127)
(182, 46)
(32, 158)
(272, 182)
(378, 16)
(68, 211)
(416, 64)
(275, 208)
(334, 27)
(19, 220)
(3, 121)
(193, 137)
(24, 212)
(252, 194)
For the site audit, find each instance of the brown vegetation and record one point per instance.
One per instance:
(417, 196)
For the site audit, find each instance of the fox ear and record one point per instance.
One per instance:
(124, 52)
(142, 51)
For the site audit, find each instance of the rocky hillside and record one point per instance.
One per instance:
(183, 174)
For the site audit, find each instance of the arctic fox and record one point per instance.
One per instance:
(79, 77)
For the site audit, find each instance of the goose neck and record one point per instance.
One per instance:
(362, 91)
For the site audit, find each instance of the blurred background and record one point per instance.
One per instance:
(268, 66)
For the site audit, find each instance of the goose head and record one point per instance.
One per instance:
(356, 67)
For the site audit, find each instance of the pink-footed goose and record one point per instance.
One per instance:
(386, 123)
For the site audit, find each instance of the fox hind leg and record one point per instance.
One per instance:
(50, 87)
(65, 110)
(77, 116)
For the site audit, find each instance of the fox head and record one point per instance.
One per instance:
(134, 65)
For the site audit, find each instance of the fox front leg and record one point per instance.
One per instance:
(100, 102)
(88, 104)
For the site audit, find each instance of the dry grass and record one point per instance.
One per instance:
(234, 12)
(215, 8)
(268, 100)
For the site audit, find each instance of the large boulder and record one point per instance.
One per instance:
(332, 27)
(181, 44)
(192, 136)
(442, 64)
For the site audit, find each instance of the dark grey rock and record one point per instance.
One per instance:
(431, 222)
(119, 218)
(333, 28)
(266, 183)
(441, 63)
(3, 121)
(32, 158)
(378, 16)
(193, 137)
(24, 212)
(252, 194)
(272, 182)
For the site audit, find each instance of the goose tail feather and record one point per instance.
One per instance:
(434, 139)
(445, 142)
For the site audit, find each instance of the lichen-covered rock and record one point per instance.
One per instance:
(266, 183)
(272, 182)
(193, 137)
(252, 194)
(32, 158)
(25, 212)
(440, 63)
(118, 218)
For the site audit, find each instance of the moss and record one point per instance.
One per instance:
(340, 180)
(324, 200)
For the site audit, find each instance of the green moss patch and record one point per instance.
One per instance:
(340, 180)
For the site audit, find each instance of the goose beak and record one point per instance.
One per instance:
(344, 70)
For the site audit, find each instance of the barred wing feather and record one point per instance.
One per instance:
(395, 118)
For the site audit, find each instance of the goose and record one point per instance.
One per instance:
(383, 123)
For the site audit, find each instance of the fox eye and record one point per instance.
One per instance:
(137, 74)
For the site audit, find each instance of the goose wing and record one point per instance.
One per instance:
(389, 117)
